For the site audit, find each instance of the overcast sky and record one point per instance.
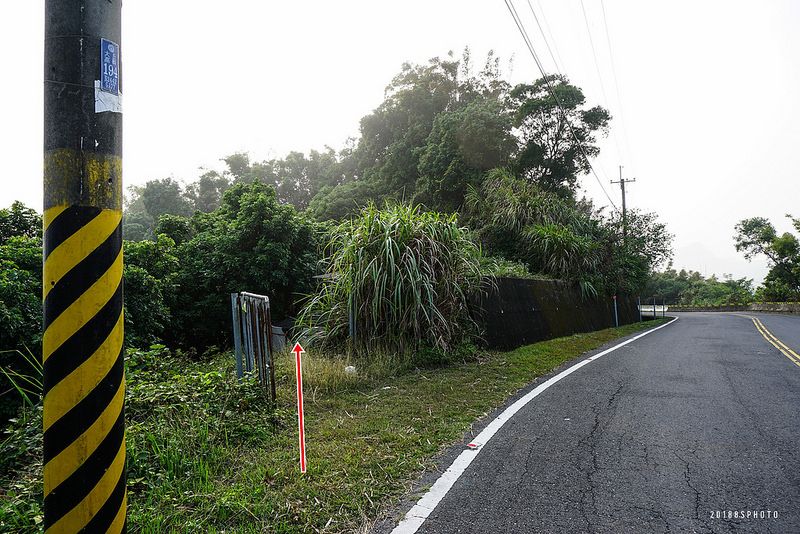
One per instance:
(709, 92)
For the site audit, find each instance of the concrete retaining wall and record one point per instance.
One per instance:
(519, 312)
(676, 308)
(776, 307)
(768, 307)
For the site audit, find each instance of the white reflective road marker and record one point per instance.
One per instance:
(420, 511)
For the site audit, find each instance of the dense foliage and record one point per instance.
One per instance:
(296, 179)
(690, 288)
(177, 285)
(150, 289)
(454, 139)
(399, 279)
(758, 237)
(180, 416)
(565, 238)
(448, 138)
(20, 297)
(557, 132)
(442, 126)
(250, 243)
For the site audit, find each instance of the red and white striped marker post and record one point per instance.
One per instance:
(298, 351)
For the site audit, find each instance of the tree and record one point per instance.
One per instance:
(440, 126)
(251, 243)
(146, 312)
(298, 178)
(550, 151)
(239, 167)
(20, 278)
(179, 229)
(391, 134)
(164, 196)
(671, 285)
(692, 289)
(737, 291)
(137, 224)
(518, 220)
(19, 220)
(20, 296)
(20, 293)
(205, 194)
(462, 146)
(145, 204)
(563, 238)
(150, 274)
(339, 202)
(631, 260)
(757, 237)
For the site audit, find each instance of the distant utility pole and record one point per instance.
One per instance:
(622, 181)
(84, 380)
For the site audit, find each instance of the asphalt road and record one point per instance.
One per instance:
(784, 327)
(670, 433)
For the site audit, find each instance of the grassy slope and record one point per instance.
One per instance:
(207, 455)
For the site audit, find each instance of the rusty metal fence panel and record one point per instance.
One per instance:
(252, 338)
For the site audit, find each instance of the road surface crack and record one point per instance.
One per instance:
(600, 424)
(687, 474)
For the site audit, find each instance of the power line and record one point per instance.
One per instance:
(550, 33)
(550, 50)
(526, 38)
(594, 52)
(616, 83)
(599, 75)
(548, 83)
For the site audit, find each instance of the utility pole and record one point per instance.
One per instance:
(84, 383)
(622, 181)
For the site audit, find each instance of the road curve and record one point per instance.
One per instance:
(683, 430)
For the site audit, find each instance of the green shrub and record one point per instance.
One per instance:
(150, 286)
(405, 274)
(187, 423)
(503, 268)
(20, 313)
(20, 293)
(19, 220)
(251, 243)
(21, 472)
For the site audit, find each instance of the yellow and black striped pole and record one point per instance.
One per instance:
(84, 382)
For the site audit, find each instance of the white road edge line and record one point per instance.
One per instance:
(415, 517)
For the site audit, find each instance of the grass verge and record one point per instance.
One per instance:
(207, 453)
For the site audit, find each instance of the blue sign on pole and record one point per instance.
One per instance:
(109, 65)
